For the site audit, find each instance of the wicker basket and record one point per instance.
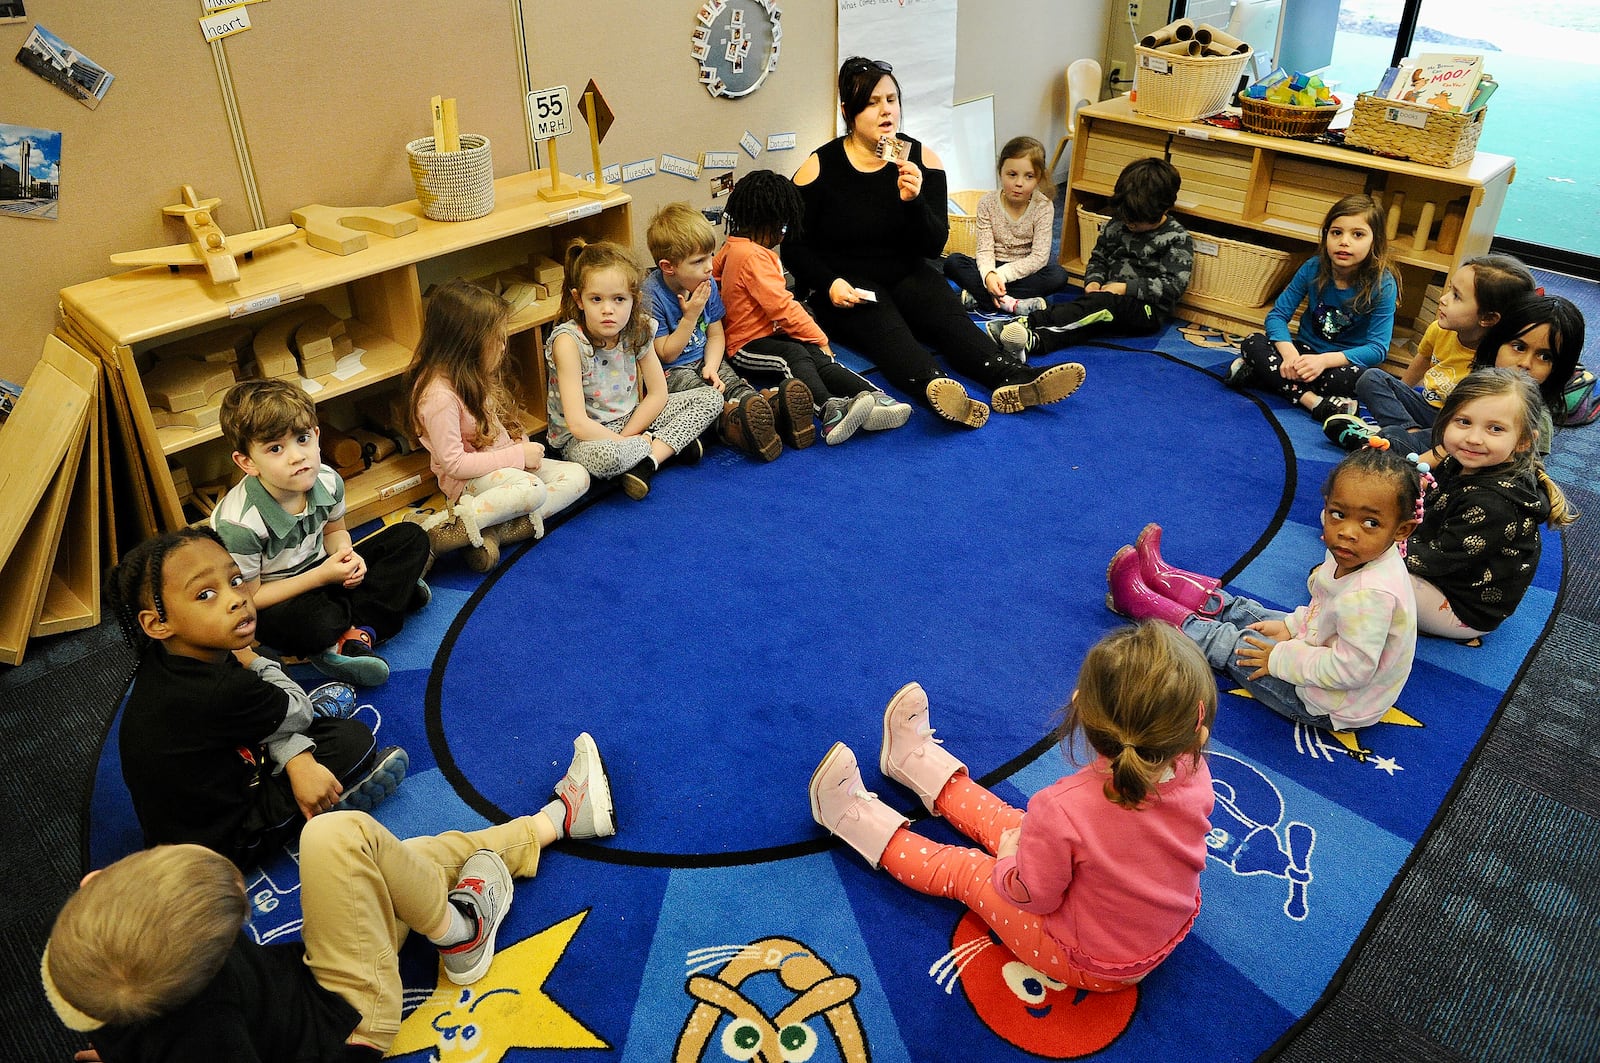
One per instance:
(964, 227)
(1228, 270)
(1283, 119)
(453, 185)
(1421, 134)
(1181, 88)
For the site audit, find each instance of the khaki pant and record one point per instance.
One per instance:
(362, 889)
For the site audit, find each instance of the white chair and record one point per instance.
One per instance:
(1083, 88)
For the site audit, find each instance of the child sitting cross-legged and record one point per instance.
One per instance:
(316, 595)
(219, 747)
(768, 330)
(1013, 271)
(1138, 270)
(691, 343)
(151, 960)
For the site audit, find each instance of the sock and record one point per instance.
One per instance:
(463, 927)
(556, 813)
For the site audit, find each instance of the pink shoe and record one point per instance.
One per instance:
(1131, 597)
(1188, 589)
(911, 756)
(841, 802)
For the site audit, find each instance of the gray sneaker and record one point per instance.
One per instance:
(994, 327)
(1017, 338)
(841, 417)
(485, 890)
(1028, 306)
(968, 301)
(886, 413)
(585, 792)
(388, 770)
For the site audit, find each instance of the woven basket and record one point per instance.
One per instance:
(1283, 119)
(1421, 134)
(1231, 271)
(1181, 88)
(453, 185)
(964, 227)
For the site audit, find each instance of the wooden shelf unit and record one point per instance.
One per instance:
(377, 291)
(1274, 191)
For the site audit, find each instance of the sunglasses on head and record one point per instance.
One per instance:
(858, 65)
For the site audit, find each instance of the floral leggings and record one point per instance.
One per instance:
(1264, 359)
(966, 875)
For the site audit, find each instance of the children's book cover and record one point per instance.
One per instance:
(1444, 81)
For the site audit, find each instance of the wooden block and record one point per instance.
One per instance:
(198, 417)
(179, 384)
(314, 338)
(343, 230)
(341, 450)
(321, 365)
(275, 355)
(547, 271)
(225, 344)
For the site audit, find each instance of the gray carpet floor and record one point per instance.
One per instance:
(1486, 948)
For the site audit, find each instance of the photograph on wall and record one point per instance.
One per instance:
(65, 67)
(13, 11)
(30, 171)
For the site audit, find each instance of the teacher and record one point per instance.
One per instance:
(871, 225)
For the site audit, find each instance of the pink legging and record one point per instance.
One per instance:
(966, 875)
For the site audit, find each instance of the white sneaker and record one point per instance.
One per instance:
(585, 792)
(886, 413)
(485, 888)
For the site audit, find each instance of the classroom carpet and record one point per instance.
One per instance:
(718, 636)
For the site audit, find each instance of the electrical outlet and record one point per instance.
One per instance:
(1133, 10)
(1116, 76)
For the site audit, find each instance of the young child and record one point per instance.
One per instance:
(1137, 271)
(150, 958)
(1350, 295)
(1475, 553)
(691, 343)
(1016, 225)
(1541, 337)
(1474, 299)
(599, 354)
(219, 747)
(499, 487)
(284, 524)
(768, 330)
(1098, 882)
(1338, 663)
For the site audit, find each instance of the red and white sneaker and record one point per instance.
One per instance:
(585, 792)
(485, 888)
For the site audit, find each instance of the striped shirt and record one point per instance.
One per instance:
(266, 541)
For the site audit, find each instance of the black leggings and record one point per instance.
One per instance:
(1265, 361)
(1130, 316)
(787, 357)
(311, 622)
(919, 309)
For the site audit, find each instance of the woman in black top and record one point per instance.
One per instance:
(871, 225)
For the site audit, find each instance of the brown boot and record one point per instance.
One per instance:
(749, 426)
(791, 400)
(483, 558)
(448, 536)
(518, 529)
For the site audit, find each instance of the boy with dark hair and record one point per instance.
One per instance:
(1137, 271)
(315, 596)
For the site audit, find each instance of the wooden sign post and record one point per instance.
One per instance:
(598, 114)
(549, 116)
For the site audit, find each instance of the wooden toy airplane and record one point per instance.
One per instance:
(207, 245)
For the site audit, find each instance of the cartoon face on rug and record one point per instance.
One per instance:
(1025, 1008)
(1244, 828)
(806, 982)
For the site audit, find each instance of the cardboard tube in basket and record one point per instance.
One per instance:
(1181, 30)
(1217, 42)
(1181, 48)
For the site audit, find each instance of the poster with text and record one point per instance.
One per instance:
(917, 38)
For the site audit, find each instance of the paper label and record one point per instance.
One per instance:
(611, 175)
(1406, 116)
(680, 167)
(780, 141)
(1194, 132)
(1205, 247)
(719, 160)
(226, 24)
(223, 5)
(1156, 64)
(574, 213)
(404, 485)
(751, 146)
(633, 171)
(257, 303)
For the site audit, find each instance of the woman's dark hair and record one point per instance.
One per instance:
(134, 583)
(765, 207)
(1388, 465)
(858, 76)
(1566, 339)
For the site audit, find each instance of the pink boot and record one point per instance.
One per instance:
(911, 756)
(1188, 589)
(841, 803)
(1133, 598)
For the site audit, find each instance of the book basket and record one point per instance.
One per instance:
(964, 227)
(1283, 119)
(453, 185)
(1231, 271)
(1413, 131)
(1181, 88)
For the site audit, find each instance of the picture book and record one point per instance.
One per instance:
(1444, 81)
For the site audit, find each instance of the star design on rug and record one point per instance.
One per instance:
(507, 1008)
(1394, 716)
(1386, 764)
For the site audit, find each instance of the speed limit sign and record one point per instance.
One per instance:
(549, 113)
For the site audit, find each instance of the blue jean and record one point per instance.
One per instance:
(1046, 280)
(1404, 417)
(1219, 636)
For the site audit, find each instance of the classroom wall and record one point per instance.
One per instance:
(329, 94)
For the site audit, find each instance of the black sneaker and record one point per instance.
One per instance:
(1240, 373)
(1348, 432)
(636, 481)
(691, 454)
(1326, 408)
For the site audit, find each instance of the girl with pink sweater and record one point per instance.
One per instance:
(499, 487)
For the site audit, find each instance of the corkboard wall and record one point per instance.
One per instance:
(329, 93)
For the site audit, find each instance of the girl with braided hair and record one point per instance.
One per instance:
(1099, 880)
(767, 328)
(219, 747)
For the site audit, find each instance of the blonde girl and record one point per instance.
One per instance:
(600, 355)
(1477, 295)
(1349, 293)
(1475, 553)
(499, 486)
(1097, 883)
(1014, 270)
